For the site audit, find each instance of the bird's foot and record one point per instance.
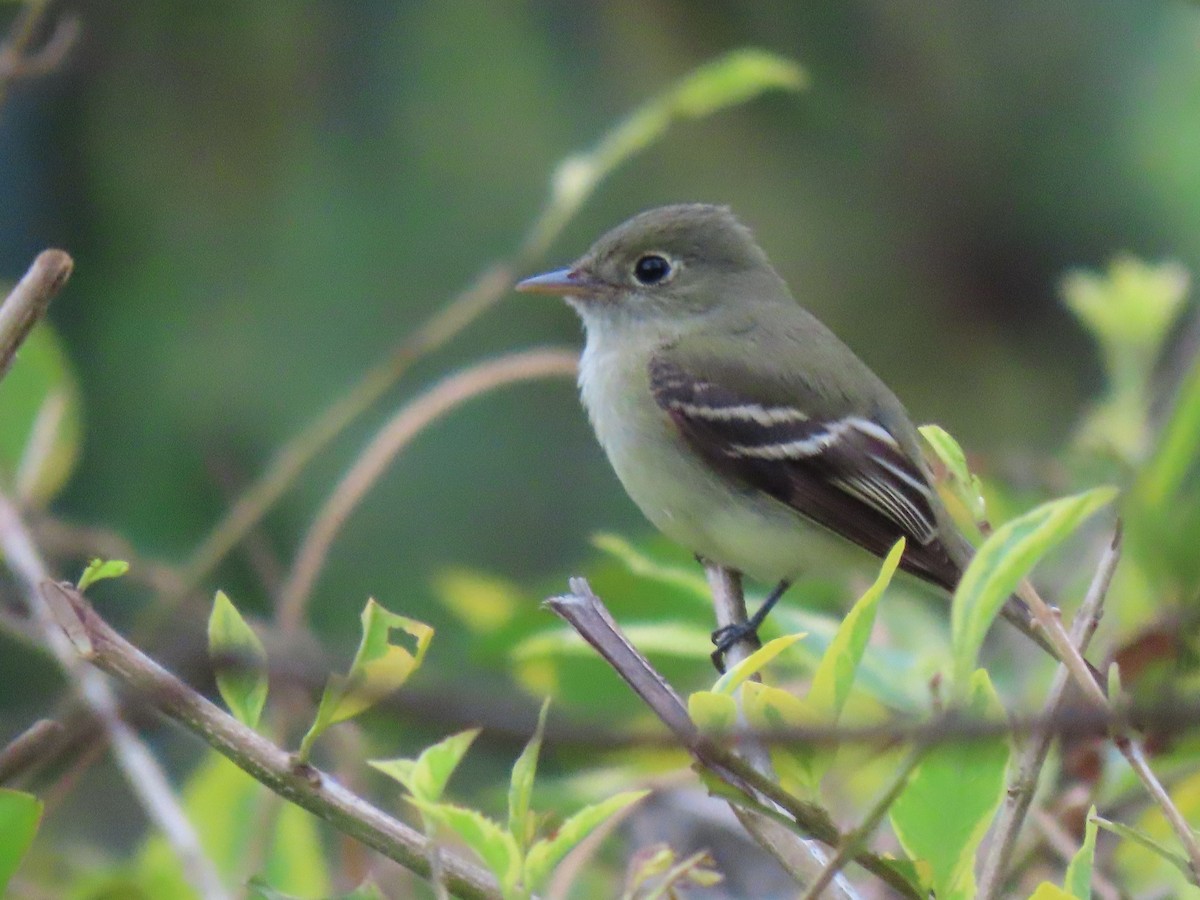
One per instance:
(728, 635)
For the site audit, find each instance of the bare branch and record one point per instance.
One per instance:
(395, 435)
(66, 637)
(584, 612)
(306, 786)
(28, 748)
(1033, 756)
(28, 301)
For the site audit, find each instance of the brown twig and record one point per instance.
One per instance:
(28, 301)
(15, 59)
(28, 748)
(64, 634)
(584, 612)
(406, 424)
(307, 787)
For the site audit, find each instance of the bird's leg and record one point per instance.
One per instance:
(728, 635)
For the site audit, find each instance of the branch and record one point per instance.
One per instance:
(65, 636)
(584, 612)
(28, 749)
(305, 786)
(15, 60)
(27, 302)
(395, 435)
(1033, 756)
(808, 860)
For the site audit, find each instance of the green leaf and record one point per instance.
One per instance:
(240, 661)
(963, 486)
(835, 675)
(770, 708)
(1005, 558)
(520, 788)
(546, 853)
(1049, 891)
(1078, 881)
(100, 569)
(426, 776)
(262, 888)
(944, 811)
(19, 817)
(1177, 452)
(754, 663)
(482, 602)
(379, 667)
(1144, 840)
(645, 566)
(713, 713)
(491, 843)
(40, 420)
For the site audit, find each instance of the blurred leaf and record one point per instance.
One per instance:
(643, 565)
(948, 804)
(1005, 558)
(770, 708)
(712, 713)
(100, 569)
(232, 815)
(754, 663)
(520, 787)
(1144, 840)
(379, 667)
(1178, 447)
(961, 483)
(546, 853)
(657, 872)
(491, 843)
(19, 817)
(482, 602)
(262, 889)
(1078, 880)
(240, 661)
(426, 776)
(734, 78)
(40, 420)
(1049, 891)
(1129, 312)
(835, 675)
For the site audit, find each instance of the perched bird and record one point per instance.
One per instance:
(742, 427)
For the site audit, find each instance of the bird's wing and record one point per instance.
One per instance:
(849, 472)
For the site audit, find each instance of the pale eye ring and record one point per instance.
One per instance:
(652, 268)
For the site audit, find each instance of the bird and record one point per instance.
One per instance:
(742, 427)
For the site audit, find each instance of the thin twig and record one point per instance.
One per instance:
(406, 424)
(27, 302)
(306, 786)
(1126, 743)
(64, 635)
(856, 839)
(807, 860)
(15, 59)
(28, 748)
(584, 612)
(1033, 755)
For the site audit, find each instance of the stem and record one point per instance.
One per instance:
(28, 301)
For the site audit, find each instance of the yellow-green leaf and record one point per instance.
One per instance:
(20, 814)
(239, 659)
(754, 663)
(1048, 891)
(99, 570)
(797, 764)
(546, 853)
(482, 602)
(1005, 558)
(379, 667)
(963, 485)
(520, 788)
(835, 674)
(1078, 881)
(491, 843)
(712, 712)
(946, 807)
(426, 776)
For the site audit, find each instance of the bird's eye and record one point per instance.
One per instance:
(651, 269)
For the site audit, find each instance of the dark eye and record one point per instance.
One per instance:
(651, 269)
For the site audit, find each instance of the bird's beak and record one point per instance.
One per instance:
(563, 282)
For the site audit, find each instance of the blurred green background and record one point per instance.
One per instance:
(263, 198)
